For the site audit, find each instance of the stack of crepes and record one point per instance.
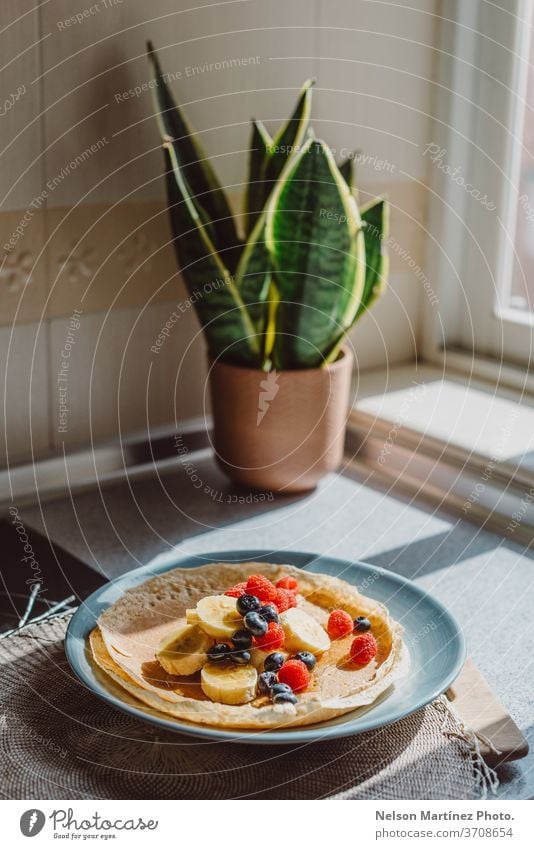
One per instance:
(126, 639)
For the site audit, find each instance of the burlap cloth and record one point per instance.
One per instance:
(58, 741)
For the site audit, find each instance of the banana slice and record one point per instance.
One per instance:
(257, 656)
(303, 633)
(192, 616)
(184, 651)
(229, 685)
(218, 616)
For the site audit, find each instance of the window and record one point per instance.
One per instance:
(481, 172)
(519, 295)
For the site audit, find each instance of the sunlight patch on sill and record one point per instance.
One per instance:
(467, 418)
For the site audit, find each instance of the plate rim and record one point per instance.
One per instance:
(76, 633)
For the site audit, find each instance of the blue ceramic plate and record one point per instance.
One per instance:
(434, 642)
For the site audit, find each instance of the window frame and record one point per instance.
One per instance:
(478, 123)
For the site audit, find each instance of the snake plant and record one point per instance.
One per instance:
(284, 288)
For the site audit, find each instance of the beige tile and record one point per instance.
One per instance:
(389, 332)
(113, 383)
(23, 284)
(175, 378)
(84, 62)
(375, 90)
(23, 353)
(105, 256)
(23, 268)
(20, 107)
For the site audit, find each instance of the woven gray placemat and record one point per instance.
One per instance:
(58, 741)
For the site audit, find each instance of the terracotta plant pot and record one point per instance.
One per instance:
(280, 431)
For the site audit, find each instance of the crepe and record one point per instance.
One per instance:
(124, 644)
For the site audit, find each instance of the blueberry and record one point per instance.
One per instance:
(218, 653)
(246, 603)
(273, 662)
(280, 698)
(361, 623)
(269, 613)
(242, 639)
(308, 659)
(255, 623)
(266, 681)
(240, 657)
(276, 689)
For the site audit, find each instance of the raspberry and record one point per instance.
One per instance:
(261, 587)
(295, 674)
(339, 624)
(363, 649)
(273, 639)
(238, 590)
(287, 583)
(284, 599)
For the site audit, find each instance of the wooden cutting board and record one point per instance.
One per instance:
(480, 708)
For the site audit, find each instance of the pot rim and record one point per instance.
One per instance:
(345, 355)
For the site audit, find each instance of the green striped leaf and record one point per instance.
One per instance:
(346, 169)
(313, 233)
(229, 330)
(273, 299)
(291, 136)
(206, 190)
(253, 276)
(375, 224)
(375, 220)
(284, 145)
(260, 144)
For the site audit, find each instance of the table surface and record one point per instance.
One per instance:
(486, 581)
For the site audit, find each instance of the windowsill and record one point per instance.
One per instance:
(450, 439)
(468, 419)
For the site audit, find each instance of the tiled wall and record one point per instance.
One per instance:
(82, 203)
